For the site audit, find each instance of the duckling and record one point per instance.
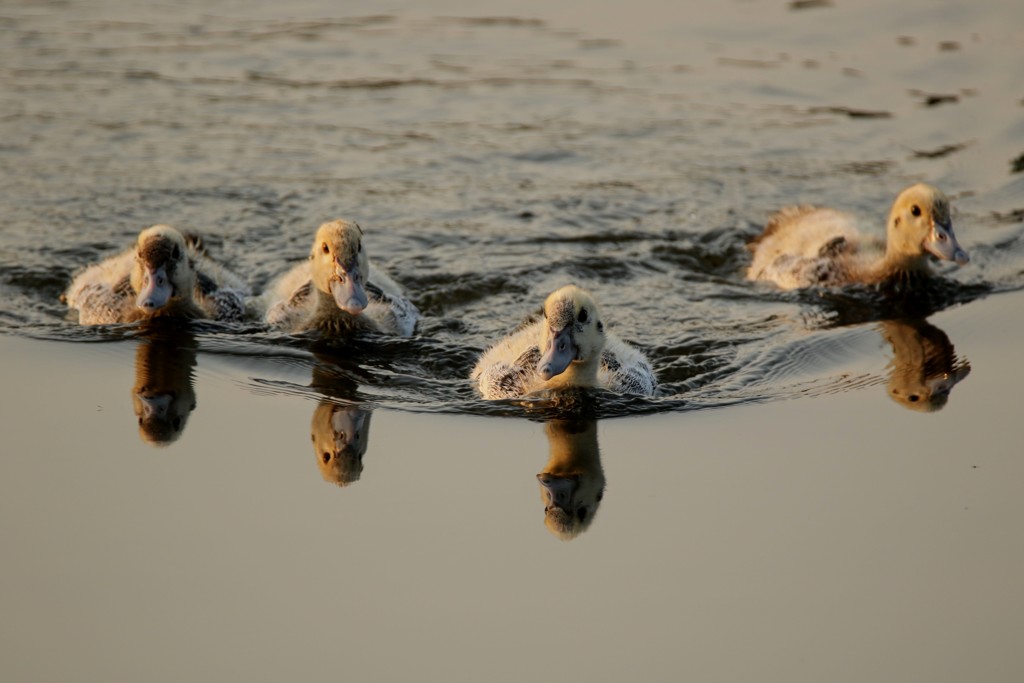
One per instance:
(566, 346)
(338, 290)
(164, 275)
(805, 246)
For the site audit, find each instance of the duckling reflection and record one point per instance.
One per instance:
(572, 483)
(340, 435)
(163, 396)
(340, 429)
(924, 365)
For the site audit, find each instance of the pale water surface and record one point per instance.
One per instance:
(826, 487)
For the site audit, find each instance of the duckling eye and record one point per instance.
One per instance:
(175, 253)
(326, 457)
(360, 249)
(581, 514)
(916, 210)
(914, 398)
(583, 315)
(326, 249)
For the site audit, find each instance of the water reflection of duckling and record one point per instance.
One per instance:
(807, 246)
(340, 435)
(163, 396)
(565, 347)
(572, 483)
(338, 289)
(164, 275)
(924, 366)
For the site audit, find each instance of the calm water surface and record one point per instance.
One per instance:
(824, 488)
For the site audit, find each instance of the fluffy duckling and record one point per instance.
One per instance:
(164, 275)
(804, 246)
(566, 347)
(338, 290)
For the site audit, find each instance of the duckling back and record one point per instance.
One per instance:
(804, 246)
(102, 293)
(625, 370)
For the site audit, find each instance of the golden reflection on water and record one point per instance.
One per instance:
(164, 396)
(340, 435)
(572, 482)
(924, 368)
(340, 427)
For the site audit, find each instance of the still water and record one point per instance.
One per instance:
(823, 489)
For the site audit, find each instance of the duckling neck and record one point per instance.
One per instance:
(329, 317)
(899, 265)
(178, 307)
(580, 373)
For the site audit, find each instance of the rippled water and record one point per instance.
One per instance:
(493, 158)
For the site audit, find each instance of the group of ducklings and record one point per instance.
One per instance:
(338, 290)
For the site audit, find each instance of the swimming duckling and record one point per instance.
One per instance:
(338, 290)
(566, 347)
(164, 275)
(804, 246)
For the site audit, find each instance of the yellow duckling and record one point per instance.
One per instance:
(164, 275)
(338, 290)
(567, 347)
(805, 246)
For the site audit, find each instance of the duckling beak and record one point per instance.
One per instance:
(559, 352)
(347, 289)
(156, 288)
(942, 243)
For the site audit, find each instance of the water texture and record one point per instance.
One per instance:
(493, 158)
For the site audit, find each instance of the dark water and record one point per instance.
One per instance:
(493, 158)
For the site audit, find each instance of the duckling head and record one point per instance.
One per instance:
(162, 269)
(573, 332)
(920, 222)
(340, 265)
